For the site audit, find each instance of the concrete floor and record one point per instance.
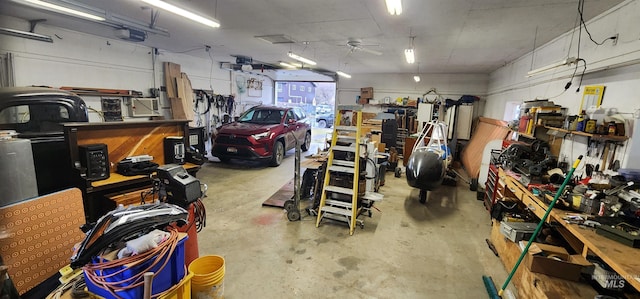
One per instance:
(407, 250)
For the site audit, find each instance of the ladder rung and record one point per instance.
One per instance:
(373, 196)
(337, 189)
(334, 210)
(344, 148)
(346, 137)
(344, 163)
(331, 202)
(347, 128)
(341, 169)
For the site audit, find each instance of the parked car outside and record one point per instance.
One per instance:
(263, 133)
(324, 120)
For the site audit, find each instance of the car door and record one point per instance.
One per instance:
(302, 123)
(291, 128)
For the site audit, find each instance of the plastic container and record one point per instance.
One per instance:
(630, 174)
(208, 277)
(180, 291)
(171, 274)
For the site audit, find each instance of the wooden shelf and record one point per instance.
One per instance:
(592, 136)
(615, 254)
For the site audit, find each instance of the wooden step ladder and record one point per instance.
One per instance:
(347, 130)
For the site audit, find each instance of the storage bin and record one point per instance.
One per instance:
(172, 273)
(516, 231)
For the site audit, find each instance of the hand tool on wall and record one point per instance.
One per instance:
(539, 227)
(613, 155)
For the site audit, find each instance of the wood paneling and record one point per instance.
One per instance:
(131, 141)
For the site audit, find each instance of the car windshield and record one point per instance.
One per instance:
(262, 116)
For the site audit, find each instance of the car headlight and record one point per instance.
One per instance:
(260, 136)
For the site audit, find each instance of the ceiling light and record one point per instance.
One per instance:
(246, 67)
(566, 61)
(181, 12)
(343, 74)
(288, 65)
(301, 59)
(410, 55)
(26, 34)
(51, 6)
(416, 78)
(394, 7)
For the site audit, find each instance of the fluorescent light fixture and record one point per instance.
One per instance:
(288, 65)
(410, 55)
(301, 59)
(343, 74)
(26, 34)
(566, 61)
(416, 78)
(66, 10)
(181, 12)
(394, 7)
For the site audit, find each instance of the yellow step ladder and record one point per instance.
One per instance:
(347, 130)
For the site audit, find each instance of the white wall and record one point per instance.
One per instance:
(402, 85)
(615, 66)
(510, 83)
(83, 60)
(246, 98)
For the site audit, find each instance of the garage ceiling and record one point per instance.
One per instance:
(451, 36)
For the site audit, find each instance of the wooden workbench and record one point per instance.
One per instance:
(621, 258)
(123, 139)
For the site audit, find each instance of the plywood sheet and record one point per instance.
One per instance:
(488, 129)
(42, 232)
(171, 72)
(187, 97)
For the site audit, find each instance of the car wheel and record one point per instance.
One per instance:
(307, 142)
(322, 123)
(278, 153)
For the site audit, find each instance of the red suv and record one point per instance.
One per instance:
(263, 132)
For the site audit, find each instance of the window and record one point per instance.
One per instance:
(36, 117)
(301, 88)
(299, 113)
(293, 87)
(15, 115)
(280, 87)
(290, 116)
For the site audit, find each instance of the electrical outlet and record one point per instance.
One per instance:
(615, 40)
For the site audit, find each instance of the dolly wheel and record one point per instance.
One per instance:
(293, 215)
(289, 205)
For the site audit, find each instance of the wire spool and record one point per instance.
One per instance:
(17, 172)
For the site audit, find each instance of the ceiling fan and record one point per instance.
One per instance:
(355, 44)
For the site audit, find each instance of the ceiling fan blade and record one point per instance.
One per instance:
(374, 52)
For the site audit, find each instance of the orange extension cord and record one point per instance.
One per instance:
(94, 272)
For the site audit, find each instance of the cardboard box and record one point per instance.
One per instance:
(555, 261)
(366, 93)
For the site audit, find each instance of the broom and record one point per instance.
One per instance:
(539, 227)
